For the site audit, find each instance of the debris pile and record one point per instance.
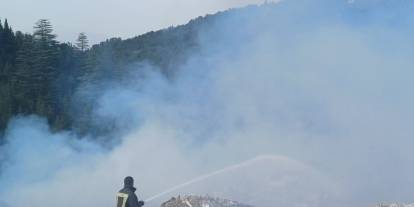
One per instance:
(395, 205)
(201, 201)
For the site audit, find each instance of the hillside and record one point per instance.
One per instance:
(39, 75)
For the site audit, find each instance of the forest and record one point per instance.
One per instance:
(39, 75)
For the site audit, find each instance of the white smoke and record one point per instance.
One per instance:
(327, 96)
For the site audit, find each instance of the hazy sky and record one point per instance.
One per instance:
(101, 19)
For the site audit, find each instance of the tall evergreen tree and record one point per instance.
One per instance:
(43, 32)
(46, 61)
(24, 79)
(1, 45)
(9, 47)
(82, 42)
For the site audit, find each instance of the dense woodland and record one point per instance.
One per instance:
(40, 75)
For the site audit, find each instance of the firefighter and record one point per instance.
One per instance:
(126, 196)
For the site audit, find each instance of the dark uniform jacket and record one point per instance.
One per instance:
(126, 198)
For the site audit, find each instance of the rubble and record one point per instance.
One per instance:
(395, 205)
(201, 201)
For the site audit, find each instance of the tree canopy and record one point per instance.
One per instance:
(39, 75)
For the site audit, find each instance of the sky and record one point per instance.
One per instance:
(102, 19)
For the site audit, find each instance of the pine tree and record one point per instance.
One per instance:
(8, 49)
(46, 62)
(43, 33)
(25, 81)
(46, 48)
(82, 42)
(9, 46)
(1, 45)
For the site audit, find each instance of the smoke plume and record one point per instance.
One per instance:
(317, 93)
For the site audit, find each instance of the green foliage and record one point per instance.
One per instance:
(82, 42)
(39, 75)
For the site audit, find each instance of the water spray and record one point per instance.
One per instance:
(214, 173)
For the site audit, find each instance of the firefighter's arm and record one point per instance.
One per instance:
(133, 201)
